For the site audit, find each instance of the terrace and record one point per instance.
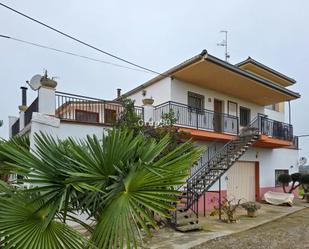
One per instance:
(72, 108)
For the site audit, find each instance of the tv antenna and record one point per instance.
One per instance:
(224, 44)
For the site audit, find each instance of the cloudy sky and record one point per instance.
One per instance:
(156, 34)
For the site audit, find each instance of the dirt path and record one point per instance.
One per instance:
(290, 232)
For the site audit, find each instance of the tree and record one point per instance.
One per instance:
(21, 141)
(118, 181)
(285, 180)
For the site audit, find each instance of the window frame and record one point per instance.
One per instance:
(228, 107)
(87, 113)
(196, 95)
(283, 171)
(249, 116)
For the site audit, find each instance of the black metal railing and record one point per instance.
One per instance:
(295, 142)
(273, 128)
(210, 151)
(201, 119)
(15, 128)
(34, 107)
(72, 107)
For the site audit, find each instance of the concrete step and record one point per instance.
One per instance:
(190, 227)
(186, 221)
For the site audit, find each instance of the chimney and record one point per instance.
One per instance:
(118, 92)
(24, 96)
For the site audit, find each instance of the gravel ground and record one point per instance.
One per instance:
(290, 232)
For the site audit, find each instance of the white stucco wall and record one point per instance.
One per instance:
(74, 130)
(275, 115)
(160, 92)
(269, 160)
(179, 93)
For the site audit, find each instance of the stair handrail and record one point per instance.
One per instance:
(257, 118)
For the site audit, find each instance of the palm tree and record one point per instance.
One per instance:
(21, 141)
(119, 181)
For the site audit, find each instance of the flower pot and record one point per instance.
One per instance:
(251, 213)
(148, 101)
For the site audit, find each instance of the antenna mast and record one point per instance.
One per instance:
(224, 44)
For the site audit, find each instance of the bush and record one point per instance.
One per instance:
(228, 209)
(251, 206)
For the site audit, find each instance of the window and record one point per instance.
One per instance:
(85, 116)
(232, 108)
(245, 114)
(195, 100)
(279, 172)
(274, 107)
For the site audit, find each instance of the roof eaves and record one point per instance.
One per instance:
(167, 73)
(245, 73)
(250, 60)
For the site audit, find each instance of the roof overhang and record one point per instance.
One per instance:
(266, 72)
(210, 72)
(215, 74)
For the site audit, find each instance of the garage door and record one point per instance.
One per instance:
(241, 181)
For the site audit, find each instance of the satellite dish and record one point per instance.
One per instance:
(302, 161)
(35, 82)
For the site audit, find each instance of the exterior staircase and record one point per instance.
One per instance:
(211, 166)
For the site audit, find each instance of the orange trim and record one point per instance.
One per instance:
(207, 135)
(269, 142)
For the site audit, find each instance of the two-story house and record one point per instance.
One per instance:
(214, 101)
(236, 111)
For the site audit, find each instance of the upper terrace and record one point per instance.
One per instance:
(201, 123)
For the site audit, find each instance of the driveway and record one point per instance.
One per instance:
(291, 231)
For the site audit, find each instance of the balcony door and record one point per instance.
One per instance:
(218, 110)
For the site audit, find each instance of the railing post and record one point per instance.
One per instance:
(148, 110)
(46, 96)
(196, 118)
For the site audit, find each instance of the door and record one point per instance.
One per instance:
(218, 110)
(241, 181)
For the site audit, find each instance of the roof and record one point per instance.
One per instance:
(249, 60)
(204, 56)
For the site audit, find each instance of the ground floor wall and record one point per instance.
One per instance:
(265, 163)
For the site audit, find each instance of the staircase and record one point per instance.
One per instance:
(205, 174)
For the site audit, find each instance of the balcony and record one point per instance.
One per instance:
(200, 119)
(87, 110)
(274, 134)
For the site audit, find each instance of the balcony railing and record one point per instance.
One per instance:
(34, 107)
(201, 119)
(15, 128)
(273, 128)
(71, 107)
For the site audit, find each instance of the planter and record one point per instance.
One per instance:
(252, 213)
(306, 195)
(148, 101)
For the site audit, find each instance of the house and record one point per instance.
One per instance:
(236, 111)
(216, 102)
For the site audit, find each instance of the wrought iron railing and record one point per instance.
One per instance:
(15, 128)
(273, 128)
(201, 119)
(34, 107)
(78, 108)
(296, 142)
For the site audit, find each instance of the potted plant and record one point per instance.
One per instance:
(251, 207)
(148, 101)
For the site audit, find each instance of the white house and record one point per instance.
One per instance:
(236, 111)
(214, 101)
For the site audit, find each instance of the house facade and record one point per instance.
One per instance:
(215, 101)
(236, 112)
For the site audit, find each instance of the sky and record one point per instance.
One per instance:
(155, 34)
